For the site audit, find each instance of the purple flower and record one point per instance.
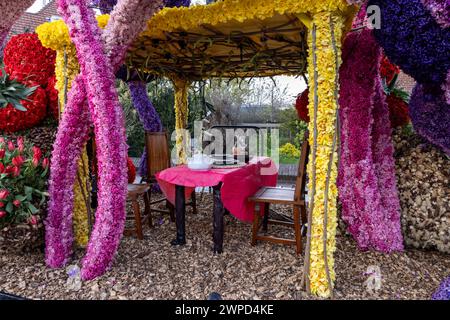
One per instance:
(443, 292)
(413, 40)
(430, 115)
(440, 9)
(366, 181)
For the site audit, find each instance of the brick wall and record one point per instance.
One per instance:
(29, 21)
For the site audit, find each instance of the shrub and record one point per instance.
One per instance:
(290, 151)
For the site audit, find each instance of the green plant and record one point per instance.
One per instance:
(23, 178)
(288, 150)
(12, 92)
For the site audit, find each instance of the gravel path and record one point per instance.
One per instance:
(152, 269)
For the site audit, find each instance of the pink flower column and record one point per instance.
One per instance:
(109, 130)
(367, 185)
(76, 117)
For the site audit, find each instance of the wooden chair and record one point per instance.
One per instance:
(283, 196)
(158, 159)
(134, 192)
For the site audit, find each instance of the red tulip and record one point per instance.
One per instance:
(2, 214)
(16, 171)
(2, 168)
(2, 153)
(17, 203)
(11, 146)
(45, 163)
(20, 144)
(37, 153)
(18, 161)
(35, 162)
(3, 194)
(2, 204)
(33, 220)
(9, 169)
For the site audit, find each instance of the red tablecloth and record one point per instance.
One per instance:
(238, 184)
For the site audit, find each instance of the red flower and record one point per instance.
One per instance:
(26, 59)
(388, 70)
(20, 144)
(2, 168)
(33, 220)
(37, 153)
(35, 162)
(11, 146)
(2, 204)
(45, 163)
(17, 203)
(302, 106)
(2, 153)
(52, 96)
(398, 111)
(2, 140)
(12, 120)
(2, 214)
(16, 171)
(4, 194)
(131, 171)
(18, 161)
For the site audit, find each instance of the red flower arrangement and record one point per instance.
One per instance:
(398, 111)
(27, 60)
(302, 106)
(131, 170)
(12, 120)
(52, 95)
(388, 70)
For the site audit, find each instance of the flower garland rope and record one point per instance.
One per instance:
(73, 134)
(181, 117)
(109, 132)
(366, 181)
(324, 40)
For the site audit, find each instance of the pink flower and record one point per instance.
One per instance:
(16, 171)
(2, 214)
(2, 153)
(35, 162)
(45, 163)
(20, 144)
(37, 153)
(4, 194)
(2, 140)
(17, 203)
(33, 220)
(11, 146)
(18, 161)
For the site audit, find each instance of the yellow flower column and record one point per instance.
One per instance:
(181, 117)
(324, 40)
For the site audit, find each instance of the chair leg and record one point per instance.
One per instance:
(194, 202)
(266, 216)
(148, 211)
(297, 224)
(171, 211)
(257, 217)
(137, 218)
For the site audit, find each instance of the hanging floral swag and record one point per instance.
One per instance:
(367, 185)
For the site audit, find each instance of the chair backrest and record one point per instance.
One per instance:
(300, 183)
(245, 129)
(158, 152)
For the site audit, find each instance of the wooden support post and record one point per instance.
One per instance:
(181, 117)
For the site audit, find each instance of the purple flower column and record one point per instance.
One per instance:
(147, 114)
(443, 293)
(430, 115)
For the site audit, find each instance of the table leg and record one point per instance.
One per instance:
(180, 212)
(218, 220)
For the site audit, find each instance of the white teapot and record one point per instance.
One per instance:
(200, 162)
